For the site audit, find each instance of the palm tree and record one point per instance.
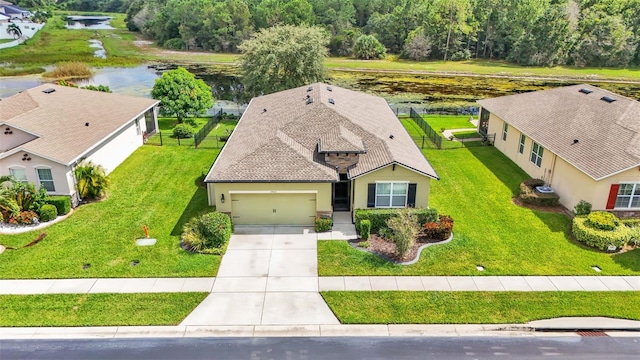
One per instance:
(14, 30)
(7, 199)
(92, 181)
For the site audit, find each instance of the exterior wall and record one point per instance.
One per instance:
(387, 173)
(341, 161)
(63, 179)
(114, 150)
(215, 190)
(15, 138)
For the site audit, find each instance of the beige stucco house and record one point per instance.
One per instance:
(313, 150)
(581, 140)
(47, 130)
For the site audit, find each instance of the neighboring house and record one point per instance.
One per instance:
(312, 150)
(47, 130)
(581, 140)
(13, 11)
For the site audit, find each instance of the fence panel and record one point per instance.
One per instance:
(433, 136)
(206, 129)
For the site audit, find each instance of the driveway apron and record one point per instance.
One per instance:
(268, 276)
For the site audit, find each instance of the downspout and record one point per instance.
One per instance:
(553, 168)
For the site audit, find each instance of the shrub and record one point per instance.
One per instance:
(379, 217)
(62, 203)
(364, 244)
(440, 230)
(323, 224)
(208, 233)
(365, 229)
(183, 131)
(528, 195)
(68, 70)
(405, 227)
(92, 180)
(602, 220)
(23, 218)
(48, 212)
(582, 208)
(631, 222)
(598, 238)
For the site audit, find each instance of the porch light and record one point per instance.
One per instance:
(222, 198)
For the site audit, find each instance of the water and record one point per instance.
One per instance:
(89, 23)
(100, 51)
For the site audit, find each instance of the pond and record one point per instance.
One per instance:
(89, 22)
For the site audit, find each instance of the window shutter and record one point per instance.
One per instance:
(371, 196)
(411, 195)
(613, 194)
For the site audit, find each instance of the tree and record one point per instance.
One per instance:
(368, 47)
(92, 180)
(417, 47)
(283, 57)
(14, 30)
(181, 94)
(604, 41)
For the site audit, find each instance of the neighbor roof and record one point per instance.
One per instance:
(608, 133)
(58, 119)
(280, 135)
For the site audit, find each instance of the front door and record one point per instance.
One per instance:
(341, 191)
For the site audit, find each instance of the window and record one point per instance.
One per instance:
(521, 147)
(504, 131)
(628, 196)
(389, 194)
(536, 154)
(19, 174)
(138, 127)
(45, 178)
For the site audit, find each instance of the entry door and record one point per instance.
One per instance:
(341, 192)
(273, 209)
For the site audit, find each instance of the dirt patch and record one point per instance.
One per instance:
(556, 209)
(387, 249)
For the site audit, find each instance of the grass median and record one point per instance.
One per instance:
(406, 307)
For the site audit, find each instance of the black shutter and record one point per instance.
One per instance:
(371, 196)
(411, 195)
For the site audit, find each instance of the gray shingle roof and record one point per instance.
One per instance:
(58, 118)
(608, 134)
(278, 135)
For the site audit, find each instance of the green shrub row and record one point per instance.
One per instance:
(631, 222)
(208, 233)
(48, 212)
(379, 217)
(528, 195)
(365, 229)
(602, 220)
(62, 203)
(598, 238)
(323, 224)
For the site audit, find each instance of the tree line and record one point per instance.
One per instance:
(526, 32)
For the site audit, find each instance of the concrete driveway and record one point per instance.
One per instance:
(268, 276)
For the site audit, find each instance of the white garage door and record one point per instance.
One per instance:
(273, 209)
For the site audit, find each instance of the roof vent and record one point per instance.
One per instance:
(309, 100)
(329, 88)
(264, 110)
(309, 88)
(608, 99)
(48, 91)
(391, 136)
(575, 141)
(586, 91)
(331, 101)
(86, 124)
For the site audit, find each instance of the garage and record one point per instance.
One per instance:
(275, 208)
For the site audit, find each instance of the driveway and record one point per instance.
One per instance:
(268, 276)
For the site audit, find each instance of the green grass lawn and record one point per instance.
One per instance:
(407, 307)
(476, 188)
(2, 41)
(467, 134)
(97, 309)
(224, 127)
(448, 122)
(157, 187)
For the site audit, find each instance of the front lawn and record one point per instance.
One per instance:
(97, 309)
(476, 188)
(476, 307)
(157, 187)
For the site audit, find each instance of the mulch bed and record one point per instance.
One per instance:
(387, 248)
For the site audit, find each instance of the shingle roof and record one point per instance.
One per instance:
(58, 119)
(278, 135)
(608, 134)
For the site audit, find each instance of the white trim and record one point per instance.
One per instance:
(391, 195)
(273, 192)
(395, 163)
(19, 167)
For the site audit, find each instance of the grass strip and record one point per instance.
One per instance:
(97, 309)
(410, 307)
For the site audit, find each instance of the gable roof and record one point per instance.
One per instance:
(608, 133)
(280, 135)
(59, 118)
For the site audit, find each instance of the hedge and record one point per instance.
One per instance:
(528, 195)
(48, 212)
(208, 234)
(62, 203)
(597, 238)
(379, 217)
(602, 220)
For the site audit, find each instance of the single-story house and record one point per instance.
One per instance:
(583, 141)
(47, 130)
(13, 11)
(313, 150)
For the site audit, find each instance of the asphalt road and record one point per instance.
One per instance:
(583, 348)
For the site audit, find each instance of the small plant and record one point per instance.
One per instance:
(582, 208)
(602, 220)
(405, 227)
(23, 218)
(208, 233)
(364, 244)
(365, 229)
(183, 131)
(48, 212)
(439, 230)
(323, 224)
(385, 233)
